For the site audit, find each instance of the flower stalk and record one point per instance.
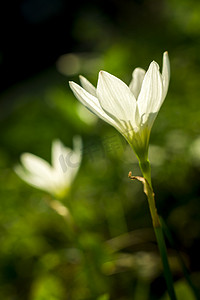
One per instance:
(148, 190)
(163, 253)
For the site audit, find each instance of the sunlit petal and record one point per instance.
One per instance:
(151, 95)
(136, 82)
(115, 97)
(87, 86)
(165, 73)
(91, 102)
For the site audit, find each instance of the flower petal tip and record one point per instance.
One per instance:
(165, 55)
(154, 66)
(81, 77)
(73, 85)
(103, 73)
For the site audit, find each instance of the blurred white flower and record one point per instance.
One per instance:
(131, 110)
(57, 178)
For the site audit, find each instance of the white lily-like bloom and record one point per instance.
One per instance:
(130, 109)
(57, 178)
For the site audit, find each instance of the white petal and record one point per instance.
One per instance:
(66, 162)
(165, 73)
(33, 180)
(73, 160)
(72, 166)
(87, 86)
(136, 82)
(58, 150)
(36, 165)
(92, 103)
(61, 170)
(150, 97)
(115, 97)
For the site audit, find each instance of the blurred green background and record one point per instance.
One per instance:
(113, 253)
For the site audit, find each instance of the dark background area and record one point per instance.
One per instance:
(35, 33)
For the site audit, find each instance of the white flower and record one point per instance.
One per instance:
(131, 110)
(56, 178)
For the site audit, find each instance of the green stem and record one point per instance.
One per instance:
(146, 171)
(163, 253)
